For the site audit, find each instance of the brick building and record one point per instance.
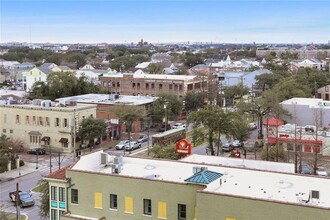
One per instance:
(151, 84)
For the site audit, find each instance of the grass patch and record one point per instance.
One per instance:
(39, 187)
(10, 216)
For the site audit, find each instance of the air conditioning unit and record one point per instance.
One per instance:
(103, 159)
(116, 168)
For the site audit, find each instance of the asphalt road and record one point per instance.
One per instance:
(29, 181)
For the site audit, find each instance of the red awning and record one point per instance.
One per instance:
(272, 140)
(272, 122)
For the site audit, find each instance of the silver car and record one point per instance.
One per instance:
(132, 145)
(121, 144)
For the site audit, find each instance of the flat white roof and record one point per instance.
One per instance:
(155, 76)
(311, 102)
(255, 184)
(12, 92)
(105, 99)
(241, 162)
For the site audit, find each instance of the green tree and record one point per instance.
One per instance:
(266, 81)
(78, 59)
(92, 128)
(165, 152)
(128, 115)
(214, 120)
(44, 205)
(231, 93)
(174, 107)
(240, 130)
(258, 107)
(191, 59)
(62, 85)
(193, 101)
(155, 68)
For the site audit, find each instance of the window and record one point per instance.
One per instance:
(289, 146)
(315, 194)
(160, 86)
(11, 131)
(133, 85)
(57, 122)
(152, 86)
(138, 85)
(147, 206)
(162, 210)
(180, 87)
(27, 120)
(128, 204)
(4, 130)
(17, 119)
(53, 214)
(53, 193)
(61, 194)
(40, 121)
(47, 121)
(74, 196)
(113, 201)
(118, 84)
(98, 200)
(182, 214)
(113, 84)
(147, 85)
(34, 120)
(170, 86)
(65, 123)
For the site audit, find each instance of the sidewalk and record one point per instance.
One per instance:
(15, 173)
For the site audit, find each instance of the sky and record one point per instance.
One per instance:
(164, 21)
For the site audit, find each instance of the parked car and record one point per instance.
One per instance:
(236, 144)
(36, 151)
(25, 198)
(227, 147)
(121, 145)
(132, 145)
(178, 125)
(142, 139)
(162, 128)
(320, 171)
(253, 126)
(305, 169)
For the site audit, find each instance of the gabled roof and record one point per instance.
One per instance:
(45, 70)
(204, 177)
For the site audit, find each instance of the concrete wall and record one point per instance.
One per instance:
(215, 207)
(139, 189)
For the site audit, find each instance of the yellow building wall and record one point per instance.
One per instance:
(14, 123)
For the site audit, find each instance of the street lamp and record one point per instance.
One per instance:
(37, 161)
(165, 107)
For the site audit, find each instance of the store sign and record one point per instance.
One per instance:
(183, 147)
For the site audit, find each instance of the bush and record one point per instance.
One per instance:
(3, 164)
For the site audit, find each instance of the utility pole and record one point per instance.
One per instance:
(50, 159)
(18, 211)
(74, 135)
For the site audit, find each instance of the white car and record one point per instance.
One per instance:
(132, 145)
(178, 125)
(253, 126)
(320, 171)
(121, 145)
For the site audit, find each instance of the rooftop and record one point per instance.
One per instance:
(311, 102)
(155, 76)
(106, 99)
(236, 181)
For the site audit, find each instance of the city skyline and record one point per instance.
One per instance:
(127, 21)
